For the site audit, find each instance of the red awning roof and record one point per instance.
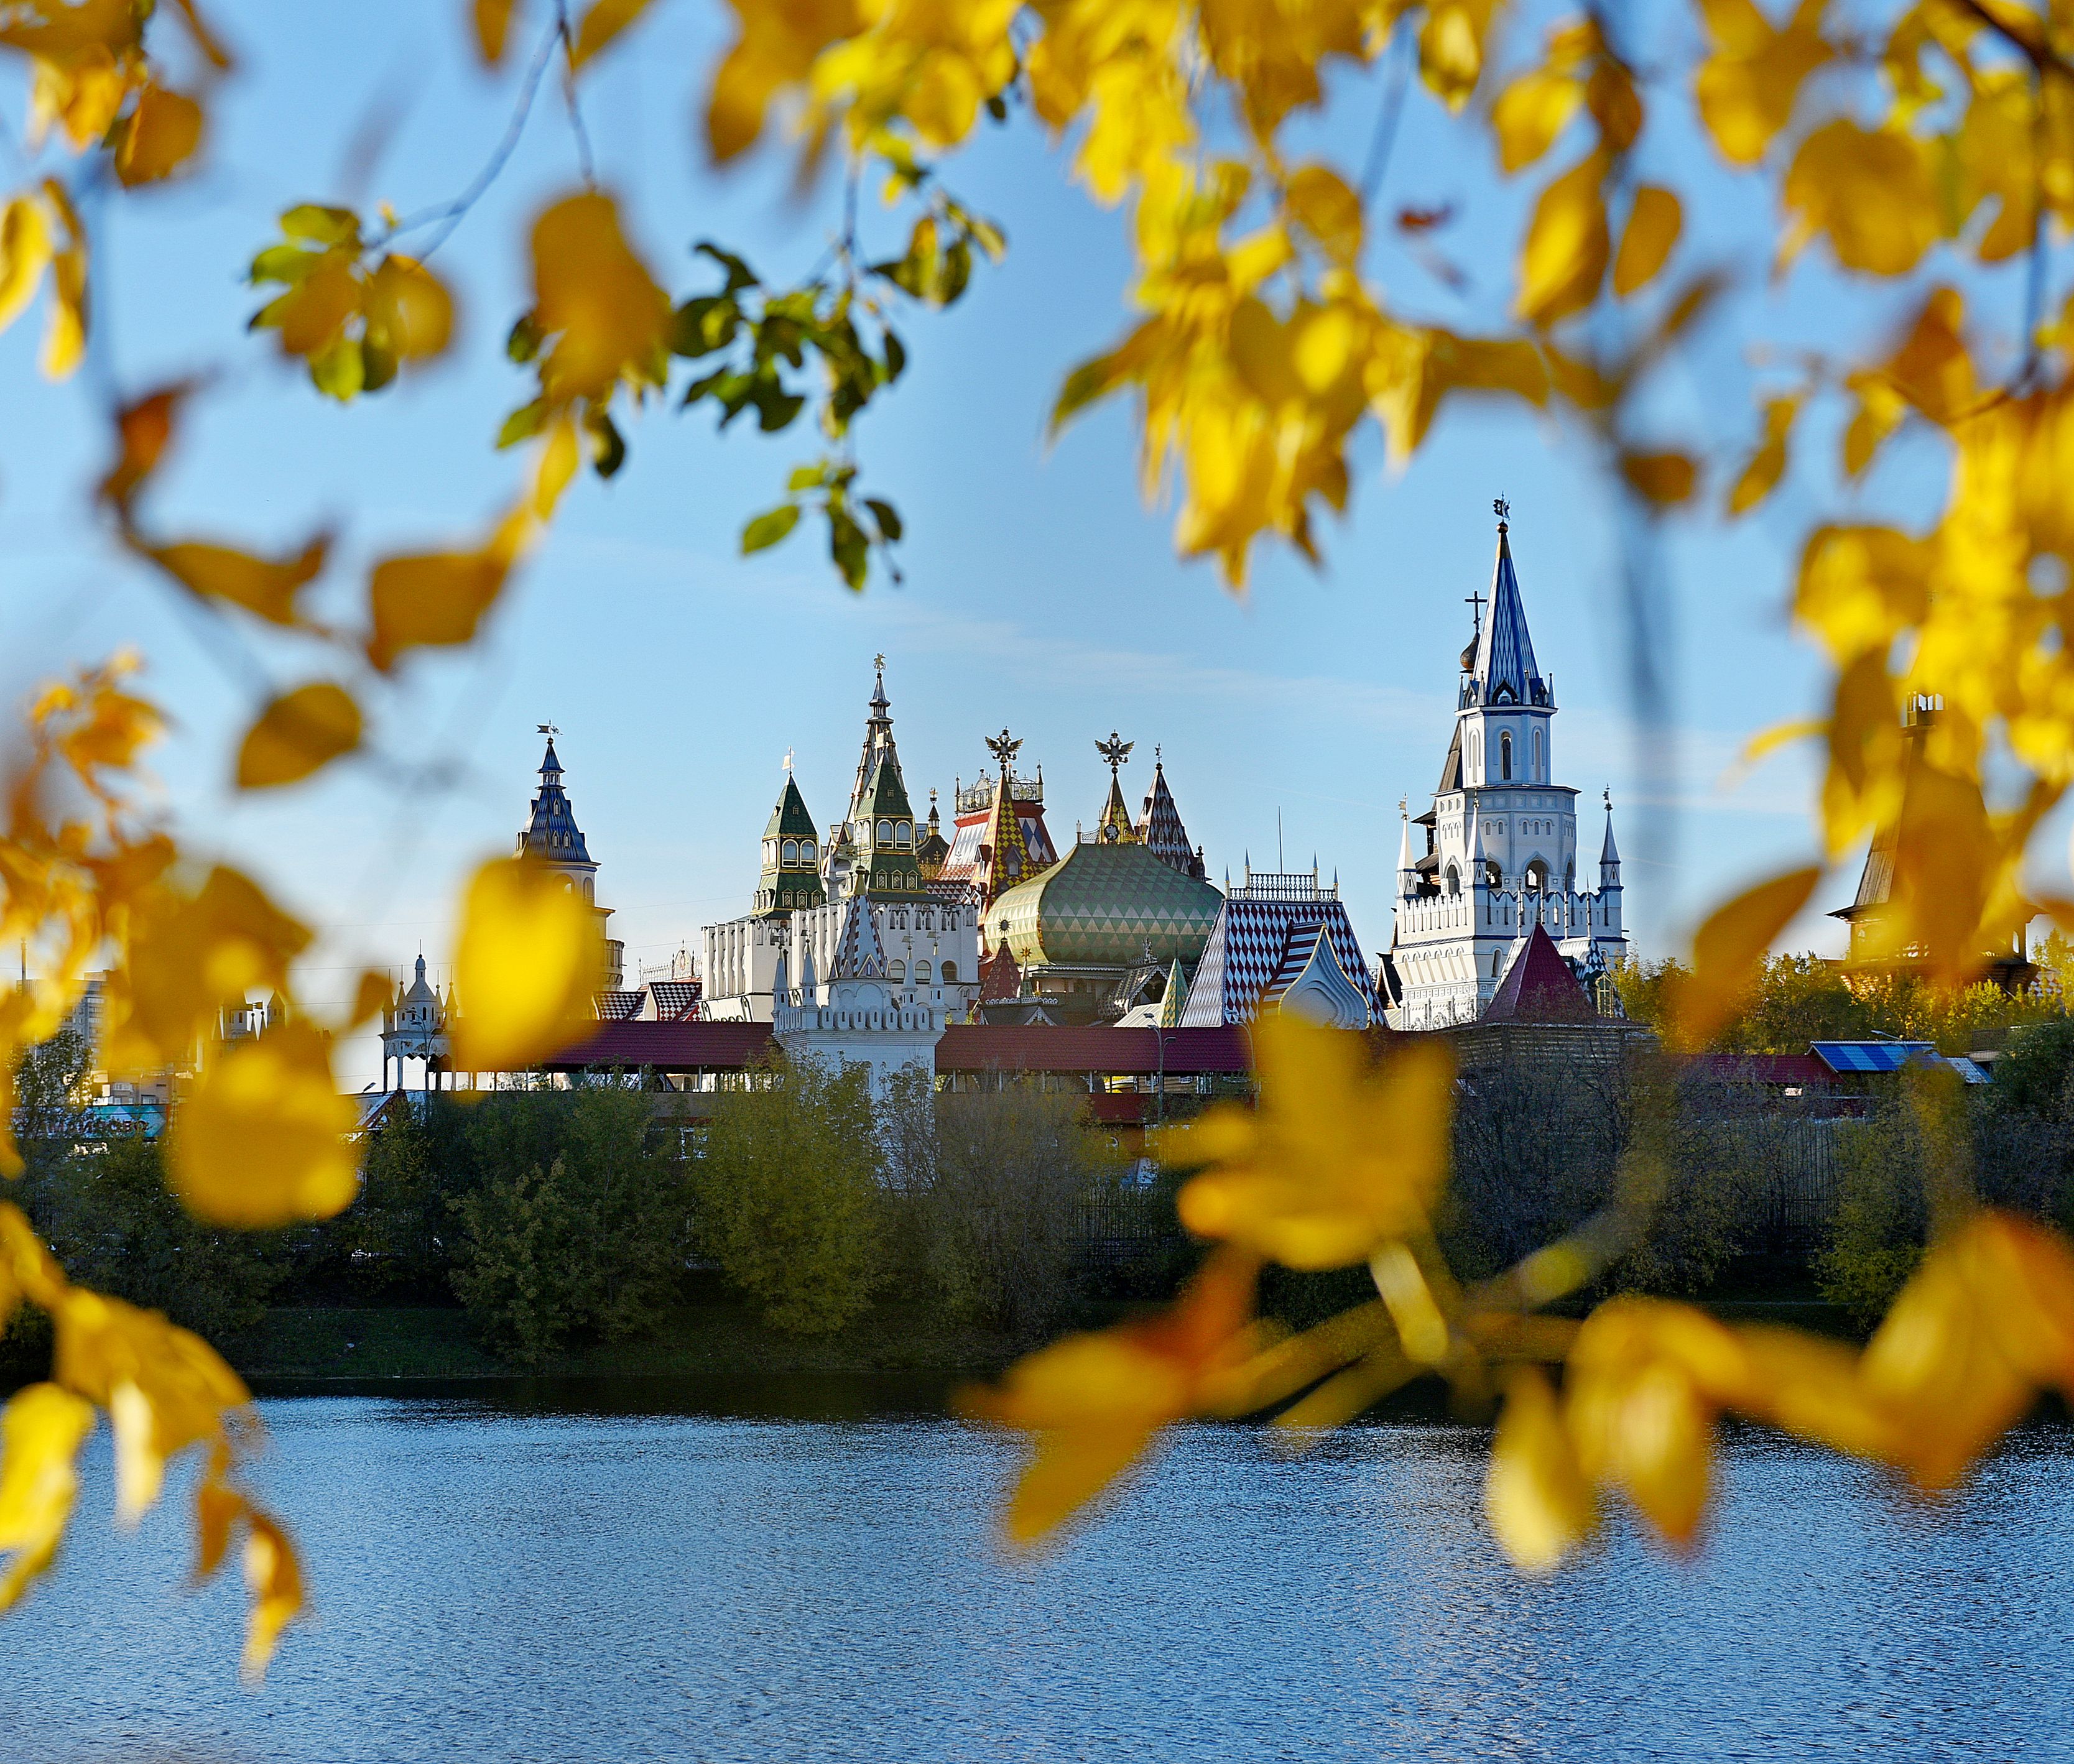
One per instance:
(675, 1046)
(991, 1046)
(685, 1046)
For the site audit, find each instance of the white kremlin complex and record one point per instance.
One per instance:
(882, 939)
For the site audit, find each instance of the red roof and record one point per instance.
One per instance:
(677, 1046)
(1000, 1046)
(1803, 1070)
(1539, 987)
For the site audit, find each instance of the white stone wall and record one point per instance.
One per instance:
(741, 957)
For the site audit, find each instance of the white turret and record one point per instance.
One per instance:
(1505, 855)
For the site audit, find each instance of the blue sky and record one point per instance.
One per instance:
(1041, 593)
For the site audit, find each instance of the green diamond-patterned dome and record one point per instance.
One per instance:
(1100, 905)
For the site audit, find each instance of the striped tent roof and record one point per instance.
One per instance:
(1250, 943)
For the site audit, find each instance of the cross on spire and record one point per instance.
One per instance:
(1475, 603)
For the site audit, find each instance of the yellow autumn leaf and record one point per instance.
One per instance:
(436, 599)
(160, 136)
(555, 467)
(1861, 587)
(1932, 368)
(1653, 225)
(528, 968)
(25, 253)
(1328, 209)
(143, 431)
(492, 20)
(408, 311)
(274, 1578)
(265, 587)
(1727, 948)
(64, 332)
(1529, 114)
(1935, 1364)
(1766, 465)
(298, 734)
(1747, 88)
(604, 22)
(1564, 259)
(370, 998)
(776, 46)
(1092, 1404)
(1666, 479)
(1869, 191)
(185, 958)
(1539, 1506)
(1450, 48)
(260, 1140)
(40, 1435)
(595, 298)
(1336, 1161)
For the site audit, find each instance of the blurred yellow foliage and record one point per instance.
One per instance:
(528, 966)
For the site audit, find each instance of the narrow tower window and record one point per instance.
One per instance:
(1505, 755)
(1538, 771)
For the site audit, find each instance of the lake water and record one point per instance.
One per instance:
(512, 1580)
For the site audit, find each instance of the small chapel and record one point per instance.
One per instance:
(1500, 856)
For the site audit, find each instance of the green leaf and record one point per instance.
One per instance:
(1091, 380)
(702, 325)
(523, 423)
(739, 275)
(956, 272)
(377, 364)
(769, 527)
(886, 516)
(809, 477)
(288, 263)
(339, 370)
(896, 356)
(524, 342)
(995, 108)
(322, 225)
(775, 407)
(607, 451)
(706, 383)
(847, 547)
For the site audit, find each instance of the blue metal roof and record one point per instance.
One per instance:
(1873, 1055)
(1504, 669)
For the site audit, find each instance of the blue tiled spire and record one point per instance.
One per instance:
(552, 833)
(1503, 671)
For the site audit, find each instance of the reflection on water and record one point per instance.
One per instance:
(517, 1578)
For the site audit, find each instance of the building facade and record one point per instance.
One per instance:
(1501, 838)
(927, 932)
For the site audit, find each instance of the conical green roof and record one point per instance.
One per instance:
(789, 817)
(1101, 905)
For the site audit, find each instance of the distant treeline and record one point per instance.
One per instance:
(1803, 999)
(567, 1216)
(560, 1217)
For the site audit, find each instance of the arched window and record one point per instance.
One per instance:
(1505, 755)
(950, 974)
(1537, 875)
(1538, 772)
(1454, 880)
(806, 851)
(914, 881)
(921, 973)
(886, 832)
(897, 971)
(792, 851)
(903, 835)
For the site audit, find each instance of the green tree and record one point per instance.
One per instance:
(1882, 1220)
(1006, 1214)
(107, 1212)
(790, 1202)
(577, 1224)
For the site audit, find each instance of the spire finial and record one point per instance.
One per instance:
(788, 760)
(1004, 748)
(1607, 795)
(1502, 510)
(1116, 750)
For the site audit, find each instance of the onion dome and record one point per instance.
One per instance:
(1105, 905)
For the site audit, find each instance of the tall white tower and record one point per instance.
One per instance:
(1500, 837)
